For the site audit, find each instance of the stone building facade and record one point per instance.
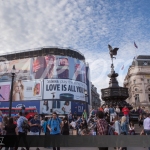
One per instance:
(137, 81)
(95, 97)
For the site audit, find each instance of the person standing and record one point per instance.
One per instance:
(23, 110)
(112, 113)
(101, 109)
(21, 132)
(102, 126)
(117, 126)
(106, 110)
(126, 111)
(140, 120)
(35, 125)
(106, 113)
(117, 110)
(11, 129)
(70, 117)
(5, 122)
(54, 126)
(124, 128)
(84, 114)
(92, 112)
(65, 126)
(146, 125)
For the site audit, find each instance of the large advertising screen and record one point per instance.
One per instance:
(64, 89)
(30, 72)
(5, 91)
(60, 107)
(46, 67)
(27, 90)
(22, 66)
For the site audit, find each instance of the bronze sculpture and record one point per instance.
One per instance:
(112, 52)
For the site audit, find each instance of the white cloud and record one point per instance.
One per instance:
(88, 26)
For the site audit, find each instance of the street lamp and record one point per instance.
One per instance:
(86, 95)
(53, 96)
(11, 92)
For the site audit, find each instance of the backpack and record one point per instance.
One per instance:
(25, 126)
(49, 123)
(111, 130)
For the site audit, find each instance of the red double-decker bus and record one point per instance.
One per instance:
(29, 112)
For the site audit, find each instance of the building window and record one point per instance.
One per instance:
(134, 81)
(136, 89)
(149, 97)
(137, 99)
(148, 80)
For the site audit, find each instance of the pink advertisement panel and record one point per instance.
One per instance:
(5, 91)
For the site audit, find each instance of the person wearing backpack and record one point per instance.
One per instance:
(21, 123)
(54, 126)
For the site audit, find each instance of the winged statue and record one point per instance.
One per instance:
(112, 51)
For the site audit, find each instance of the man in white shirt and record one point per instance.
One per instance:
(106, 110)
(73, 124)
(146, 125)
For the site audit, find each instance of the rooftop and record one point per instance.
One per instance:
(42, 51)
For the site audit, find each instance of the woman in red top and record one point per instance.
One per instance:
(101, 109)
(126, 111)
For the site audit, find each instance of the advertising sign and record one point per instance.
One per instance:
(58, 67)
(21, 66)
(26, 104)
(60, 107)
(45, 67)
(5, 91)
(77, 108)
(64, 89)
(27, 90)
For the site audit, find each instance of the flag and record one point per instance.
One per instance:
(122, 67)
(135, 45)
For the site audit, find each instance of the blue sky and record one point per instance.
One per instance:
(86, 25)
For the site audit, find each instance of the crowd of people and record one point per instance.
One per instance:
(106, 120)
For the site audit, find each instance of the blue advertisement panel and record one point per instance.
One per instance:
(26, 104)
(77, 108)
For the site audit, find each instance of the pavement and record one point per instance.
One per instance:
(89, 148)
(137, 130)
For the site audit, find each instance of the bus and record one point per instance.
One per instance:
(29, 112)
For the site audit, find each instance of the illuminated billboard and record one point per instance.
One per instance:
(61, 107)
(27, 90)
(34, 76)
(64, 89)
(5, 91)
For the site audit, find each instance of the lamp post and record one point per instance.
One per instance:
(11, 92)
(85, 92)
(53, 96)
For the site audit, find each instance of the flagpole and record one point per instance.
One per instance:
(135, 52)
(135, 48)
